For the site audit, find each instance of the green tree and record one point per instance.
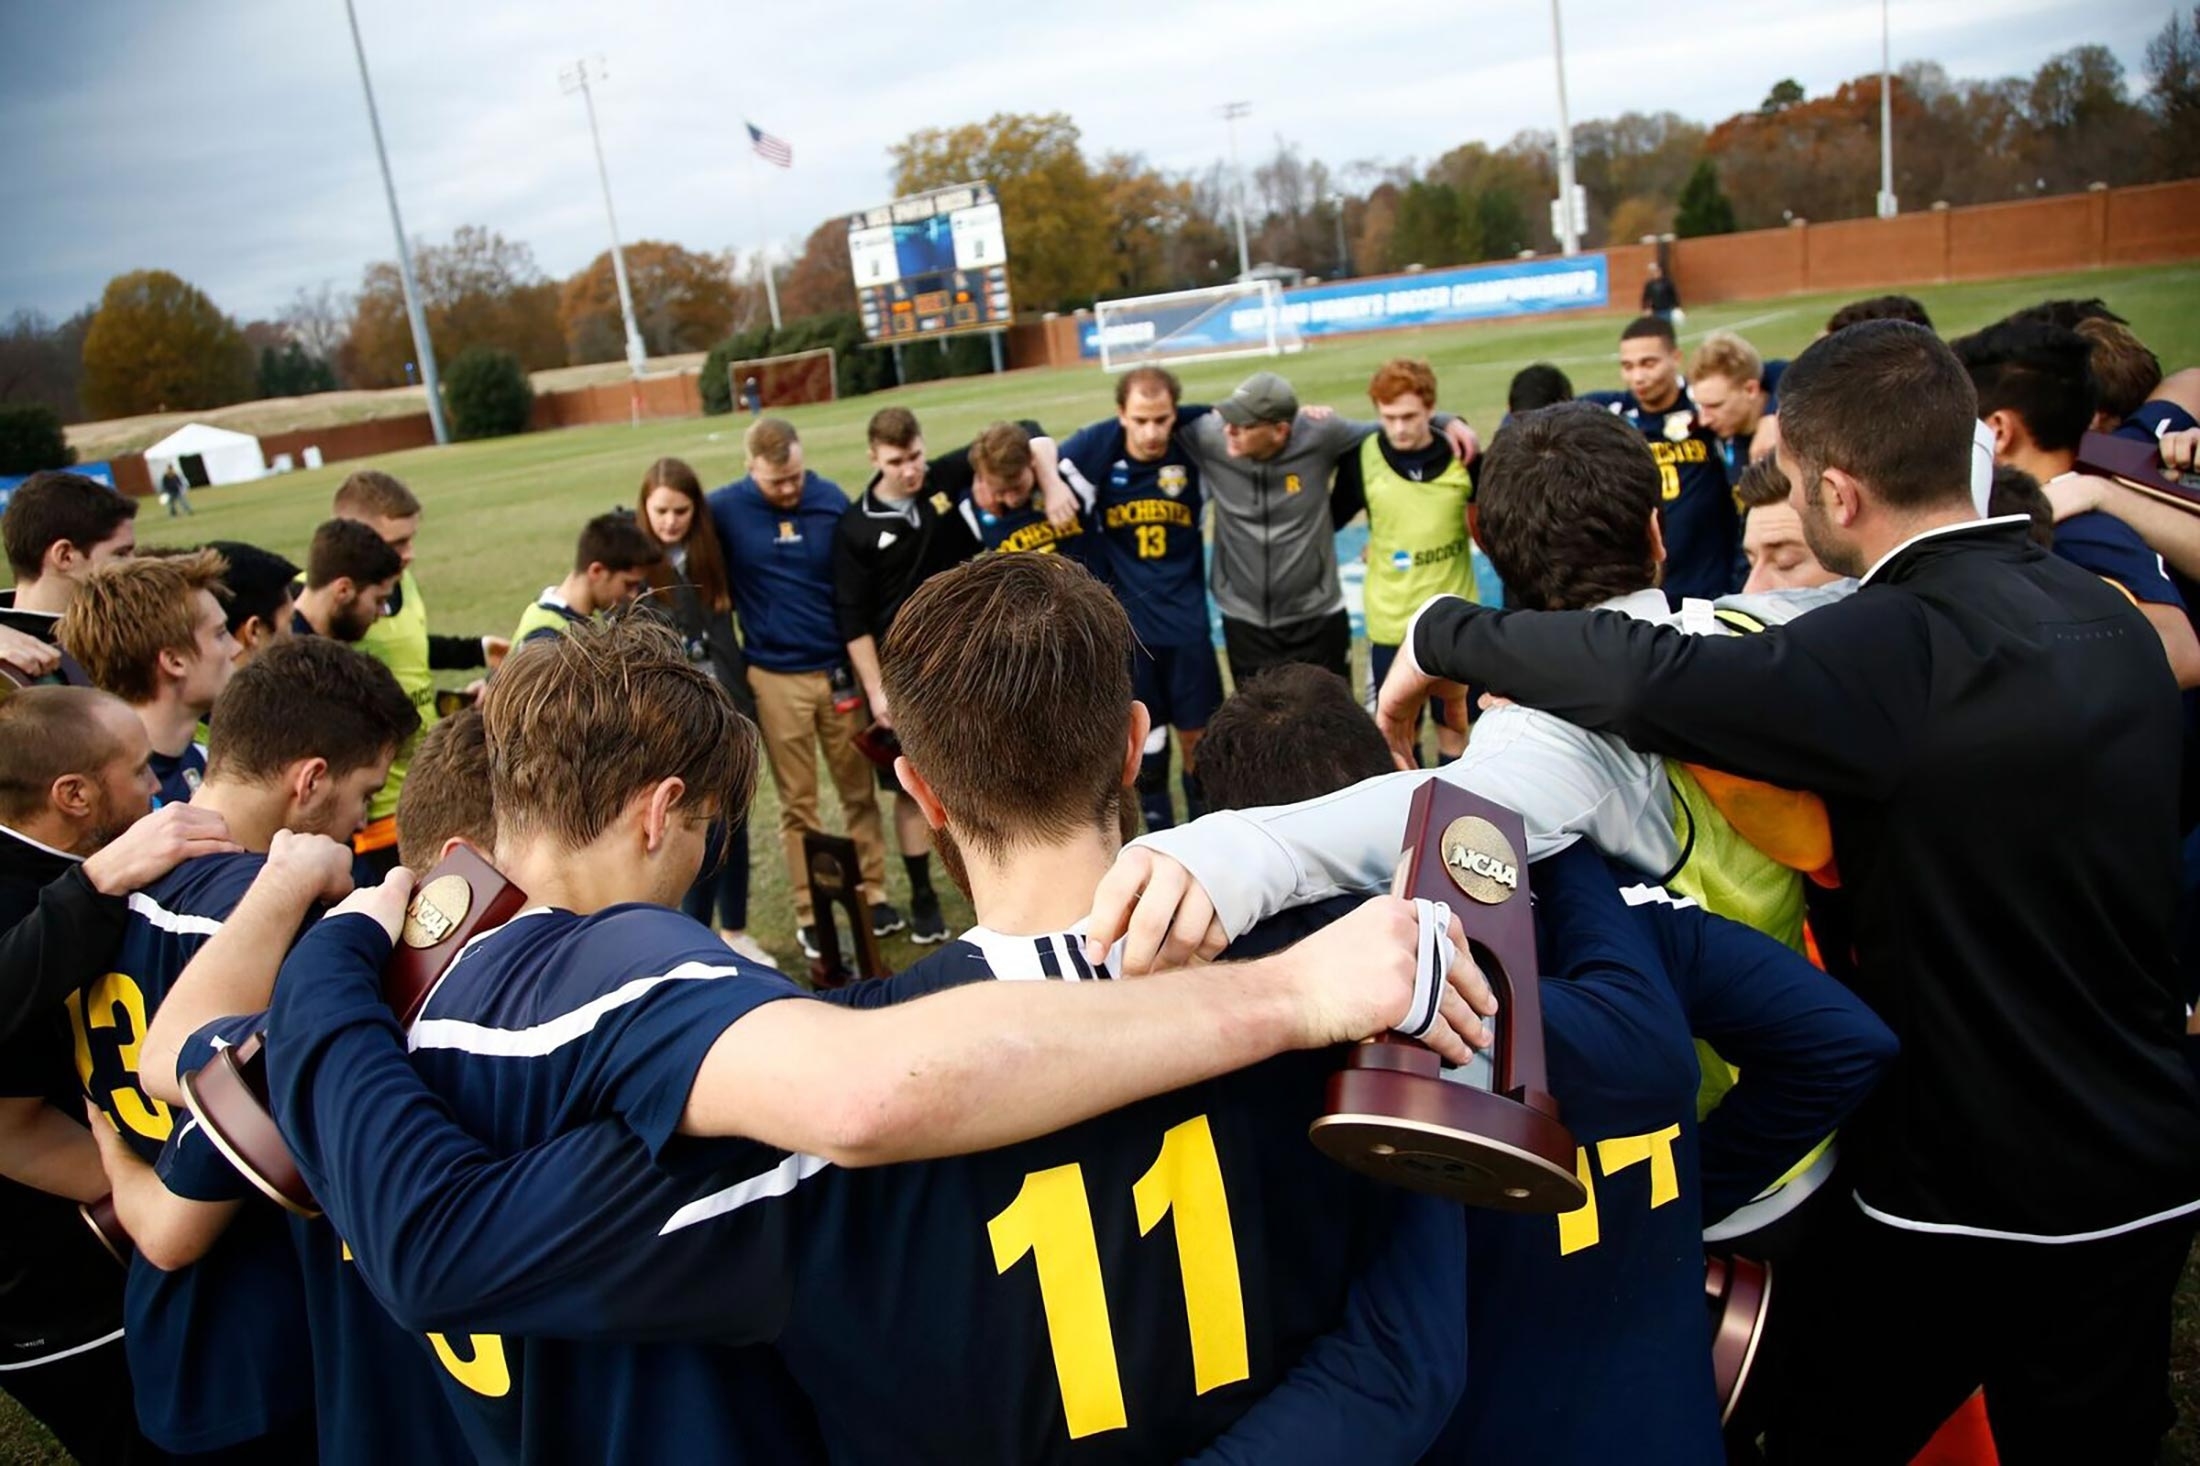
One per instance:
(1704, 207)
(1053, 206)
(1427, 231)
(2173, 93)
(488, 394)
(1785, 93)
(290, 372)
(158, 344)
(31, 438)
(1500, 224)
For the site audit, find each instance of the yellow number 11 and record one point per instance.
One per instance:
(1051, 1221)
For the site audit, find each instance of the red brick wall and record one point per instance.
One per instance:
(352, 440)
(2160, 221)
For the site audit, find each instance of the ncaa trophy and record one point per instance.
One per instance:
(1394, 1111)
(462, 898)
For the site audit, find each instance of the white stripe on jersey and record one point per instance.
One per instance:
(543, 1038)
(172, 921)
(1656, 896)
(1057, 956)
(777, 1181)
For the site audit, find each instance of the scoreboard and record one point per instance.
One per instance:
(932, 264)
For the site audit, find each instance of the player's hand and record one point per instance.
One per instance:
(1405, 691)
(881, 714)
(1462, 439)
(115, 1156)
(156, 845)
(1061, 503)
(321, 865)
(2180, 451)
(1357, 976)
(1766, 440)
(385, 903)
(1151, 903)
(494, 649)
(27, 654)
(2075, 493)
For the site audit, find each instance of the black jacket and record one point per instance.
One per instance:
(34, 623)
(57, 933)
(1996, 735)
(881, 555)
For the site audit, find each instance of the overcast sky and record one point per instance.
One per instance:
(226, 140)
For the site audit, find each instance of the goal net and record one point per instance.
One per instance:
(1249, 319)
(782, 381)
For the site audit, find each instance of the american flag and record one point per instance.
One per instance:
(769, 148)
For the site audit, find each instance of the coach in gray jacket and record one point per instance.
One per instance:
(1272, 566)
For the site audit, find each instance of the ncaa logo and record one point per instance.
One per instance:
(1480, 860)
(1401, 560)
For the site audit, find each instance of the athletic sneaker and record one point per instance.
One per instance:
(885, 920)
(926, 925)
(748, 946)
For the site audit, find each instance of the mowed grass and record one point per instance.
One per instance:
(502, 515)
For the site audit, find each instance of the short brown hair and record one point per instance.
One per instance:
(1644, 328)
(1724, 354)
(48, 733)
(1761, 484)
(893, 427)
(1011, 685)
(1887, 402)
(1293, 732)
(446, 793)
(1147, 379)
(372, 493)
(1002, 451)
(2126, 368)
(354, 714)
(126, 614)
(52, 506)
(616, 542)
(1880, 308)
(1400, 375)
(770, 439)
(1566, 496)
(579, 724)
(349, 549)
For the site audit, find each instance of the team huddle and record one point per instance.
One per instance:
(1839, 701)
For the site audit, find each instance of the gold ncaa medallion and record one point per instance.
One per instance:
(1480, 860)
(436, 910)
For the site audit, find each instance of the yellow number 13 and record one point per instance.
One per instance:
(1153, 541)
(1051, 1221)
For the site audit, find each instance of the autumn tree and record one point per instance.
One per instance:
(158, 343)
(318, 320)
(1052, 205)
(2173, 93)
(683, 301)
(822, 279)
(478, 290)
(41, 362)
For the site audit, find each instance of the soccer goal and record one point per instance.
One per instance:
(783, 381)
(1248, 319)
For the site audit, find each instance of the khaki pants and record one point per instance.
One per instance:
(794, 712)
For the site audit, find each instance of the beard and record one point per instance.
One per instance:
(1841, 559)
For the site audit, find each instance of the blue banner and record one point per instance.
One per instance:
(100, 470)
(1433, 298)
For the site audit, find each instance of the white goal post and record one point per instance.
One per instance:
(795, 375)
(1244, 319)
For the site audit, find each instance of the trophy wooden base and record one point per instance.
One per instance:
(229, 1097)
(1393, 1116)
(1739, 1292)
(107, 1228)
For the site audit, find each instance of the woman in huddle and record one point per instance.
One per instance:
(692, 593)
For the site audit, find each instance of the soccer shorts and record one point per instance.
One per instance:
(1181, 686)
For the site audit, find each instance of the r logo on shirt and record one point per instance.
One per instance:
(788, 534)
(1291, 484)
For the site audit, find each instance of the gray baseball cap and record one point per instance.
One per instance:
(1261, 397)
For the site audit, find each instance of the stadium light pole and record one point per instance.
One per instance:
(575, 79)
(1569, 237)
(422, 346)
(1231, 112)
(1886, 116)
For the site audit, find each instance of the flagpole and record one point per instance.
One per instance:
(756, 192)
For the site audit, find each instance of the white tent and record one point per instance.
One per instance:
(229, 458)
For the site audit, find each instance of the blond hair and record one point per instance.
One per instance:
(127, 613)
(1724, 354)
(770, 440)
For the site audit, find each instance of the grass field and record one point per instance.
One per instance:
(502, 515)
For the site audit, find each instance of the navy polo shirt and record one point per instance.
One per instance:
(780, 562)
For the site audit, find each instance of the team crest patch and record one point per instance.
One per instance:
(1291, 484)
(1173, 479)
(1678, 425)
(192, 778)
(787, 533)
(940, 504)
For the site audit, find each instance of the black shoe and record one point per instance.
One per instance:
(885, 920)
(926, 925)
(807, 936)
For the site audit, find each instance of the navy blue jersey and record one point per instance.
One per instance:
(1029, 529)
(780, 564)
(1147, 516)
(2112, 549)
(180, 774)
(1119, 1291)
(2153, 419)
(218, 1350)
(543, 1027)
(1703, 529)
(1612, 1292)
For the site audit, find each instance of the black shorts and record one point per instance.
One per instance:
(1320, 641)
(1181, 686)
